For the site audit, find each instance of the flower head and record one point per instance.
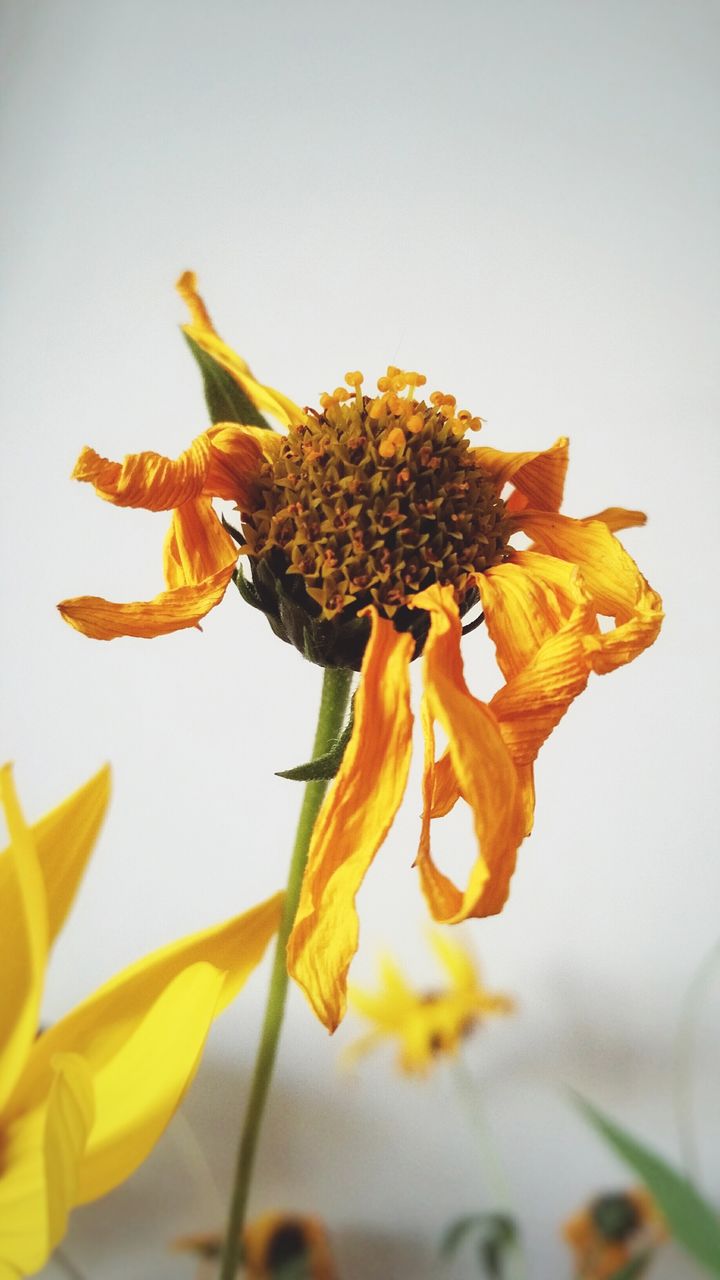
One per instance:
(613, 1230)
(83, 1102)
(273, 1245)
(370, 529)
(427, 1025)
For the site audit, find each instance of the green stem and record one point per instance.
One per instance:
(683, 1063)
(333, 708)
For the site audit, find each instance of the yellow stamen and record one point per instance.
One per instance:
(393, 443)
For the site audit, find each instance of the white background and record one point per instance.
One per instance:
(519, 199)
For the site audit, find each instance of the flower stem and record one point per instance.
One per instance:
(333, 707)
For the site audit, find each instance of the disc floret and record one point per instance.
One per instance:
(374, 498)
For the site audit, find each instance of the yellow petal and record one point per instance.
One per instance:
(41, 1151)
(70, 1118)
(23, 942)
(147, 480)
(64, 840)
(170, 611)
(456, 961)
(202, 331)
(236, 457)
(355, 818)
(99, 1026)
(527, 600)
(612, 579)
(617, 518)
(196, 545)
(539, 477)
(484, 769)
(138, 1089)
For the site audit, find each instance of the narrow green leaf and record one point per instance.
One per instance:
(326, 766)
(225, 398)
(690, 1219)
(247, 589)
(458, 1230)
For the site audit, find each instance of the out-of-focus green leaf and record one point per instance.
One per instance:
(225, 398)
(497, 1234)
(689, 1218)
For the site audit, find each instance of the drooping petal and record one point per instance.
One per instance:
(69, 1121)
(138, 1089)
(23, 943)
(99, 1026)
(617, 588)
(64, 840)
(355, 818)
(202, 331)
(483, 767)
(167, 612)
(538, 477)
(24, 1243)
(147, 480)
(236, 457)
(196, 545)
(527, 600)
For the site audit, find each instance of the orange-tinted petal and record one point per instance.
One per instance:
(527, 600)
(357, 814)
(147, 480)
(202, 331)
(236, 457)
(483, 767)
(617, 518)
(612, 579)
(170, 611)
(538, 477)
(196, 545)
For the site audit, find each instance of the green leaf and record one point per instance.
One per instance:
(326, 766)
(690, 1219)
(635, 1268)
(247, 589)
(225, 398)
(497, 1233)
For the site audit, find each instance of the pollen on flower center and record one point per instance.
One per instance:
(373, 499)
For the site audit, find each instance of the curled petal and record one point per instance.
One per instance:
(196, 545)
(483, 767)
(236, 457)
(68, 1123)
(99, 1026)
(23, 941)
(202, 331)
(356, 815)
(612, 579)
(527, 600)
(538, 477)
(147, 480)
(170, 611)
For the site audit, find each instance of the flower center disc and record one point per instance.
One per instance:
(373, 499)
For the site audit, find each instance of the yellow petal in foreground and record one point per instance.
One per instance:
(483, 767)
(167, 612)
(196, 545)
(99, 1027)
(64, 840)
(68, 1123)
(538, 477)
(612, 579)
(23, 941)
(147, 480)
(202, 331)
(355, 818)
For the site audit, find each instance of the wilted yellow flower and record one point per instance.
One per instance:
(426, 1024)
(83, 1102)
(611, 1231)
(274, 1244)
(370, 530)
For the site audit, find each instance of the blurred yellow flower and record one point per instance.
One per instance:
(83, 1102)
(273, 1245)
(611, 1231)
(426, 1025)
(370, 529)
